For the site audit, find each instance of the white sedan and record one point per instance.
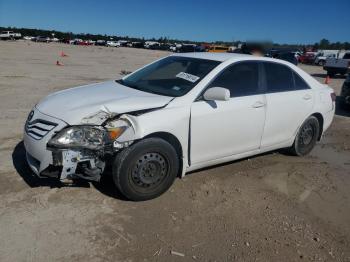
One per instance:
(178, 114)
(113, 44)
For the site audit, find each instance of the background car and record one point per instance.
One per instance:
(84, 43)
(137, 44)
(322, 57)
(161, 46)
(307, 58)
(218, 49)
(101, 42)
(6, 35)
(113, 44)
(28, 37)
(344, 98)
(186, 48)
(149, 44)
(287, 56)
(42, 39)
(338, 65)
(200, 48)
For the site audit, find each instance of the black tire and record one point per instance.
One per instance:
(321, 62)
(146, 169)
(342, 104)
(306, 137)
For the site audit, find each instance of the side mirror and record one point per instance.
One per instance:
(217, 93)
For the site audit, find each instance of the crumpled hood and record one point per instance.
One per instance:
(81, 104)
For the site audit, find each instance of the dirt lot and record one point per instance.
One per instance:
(268, 208)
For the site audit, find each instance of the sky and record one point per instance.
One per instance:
(280, 21)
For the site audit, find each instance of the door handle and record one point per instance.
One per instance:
(258, 104)
(307, 97)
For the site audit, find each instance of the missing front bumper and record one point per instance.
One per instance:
(78, 164)
(50, 171)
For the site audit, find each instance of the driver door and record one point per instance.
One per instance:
(225, 128)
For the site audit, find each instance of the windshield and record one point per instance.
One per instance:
(171, 76)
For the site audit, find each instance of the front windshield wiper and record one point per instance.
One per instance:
(122, 82)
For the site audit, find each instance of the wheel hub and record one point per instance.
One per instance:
(307, 133)
(149, 170)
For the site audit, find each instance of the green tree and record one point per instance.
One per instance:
(324, 43)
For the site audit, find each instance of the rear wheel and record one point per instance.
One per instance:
(306, 137)
(146, 169)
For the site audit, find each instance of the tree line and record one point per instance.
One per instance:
(322, 44)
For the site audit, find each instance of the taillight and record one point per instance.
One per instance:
(333, 96)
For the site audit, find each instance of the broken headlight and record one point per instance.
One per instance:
(116, 128)
(91, 137)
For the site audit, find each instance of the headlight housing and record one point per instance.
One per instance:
(91, 137)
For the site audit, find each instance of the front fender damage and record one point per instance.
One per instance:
(90, 164)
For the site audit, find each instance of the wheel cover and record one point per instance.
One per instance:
(149, 170)
(307, 134)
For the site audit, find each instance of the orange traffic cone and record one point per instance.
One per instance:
(63, 54)
(327, 80)
(58, 63)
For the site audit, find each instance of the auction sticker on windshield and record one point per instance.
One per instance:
(187, 76)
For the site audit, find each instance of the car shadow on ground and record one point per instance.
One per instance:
(283, 152)
(22, 168)
(105, 186)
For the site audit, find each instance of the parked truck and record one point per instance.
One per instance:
(338, 65)
(322, 56)
(7, 35)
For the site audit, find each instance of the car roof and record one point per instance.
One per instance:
(212, 56)
(222, 57)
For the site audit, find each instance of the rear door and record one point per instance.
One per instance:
(289, 102)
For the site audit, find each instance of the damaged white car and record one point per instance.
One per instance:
(178, 114)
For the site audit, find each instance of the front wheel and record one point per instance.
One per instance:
(306, 137)
(321, 63)
(146, 169)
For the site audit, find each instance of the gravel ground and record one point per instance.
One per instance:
(271, 207)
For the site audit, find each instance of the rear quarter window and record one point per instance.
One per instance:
(299, 82)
